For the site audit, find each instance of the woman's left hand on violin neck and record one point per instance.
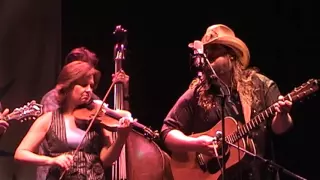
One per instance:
(125, 126)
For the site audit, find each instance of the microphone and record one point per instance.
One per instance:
(198, 57)
(201, 61)
(219, 135)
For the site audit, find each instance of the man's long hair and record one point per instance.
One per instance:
(241, 81)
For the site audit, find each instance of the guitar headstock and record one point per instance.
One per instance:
(307, 88)
(30, 111)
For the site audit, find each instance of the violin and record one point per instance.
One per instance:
(109, 119)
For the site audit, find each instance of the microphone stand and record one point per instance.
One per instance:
(224, 97)
(224, 89)
(268, 162)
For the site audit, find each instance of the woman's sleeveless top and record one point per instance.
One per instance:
(86, 163)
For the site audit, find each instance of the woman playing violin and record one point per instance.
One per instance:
(59, 128)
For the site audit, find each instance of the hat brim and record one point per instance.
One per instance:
(236, 44)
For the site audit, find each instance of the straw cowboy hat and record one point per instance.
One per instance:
(222, 34)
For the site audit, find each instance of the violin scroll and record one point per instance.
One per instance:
(147, 132)
(151, 135)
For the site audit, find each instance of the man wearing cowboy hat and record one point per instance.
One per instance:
(199, 108)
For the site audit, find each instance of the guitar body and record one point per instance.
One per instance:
(186, 166)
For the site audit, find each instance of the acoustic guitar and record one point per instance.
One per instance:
(193, 165)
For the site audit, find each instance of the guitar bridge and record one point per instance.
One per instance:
(201, 162)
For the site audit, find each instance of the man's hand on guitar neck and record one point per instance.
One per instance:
(282, 120)
(3, 124)
(283, 106)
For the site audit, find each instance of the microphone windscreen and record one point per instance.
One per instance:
(198, 45)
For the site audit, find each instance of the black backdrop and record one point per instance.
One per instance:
(281, 35)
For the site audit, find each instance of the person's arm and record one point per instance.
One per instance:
(30, 143)
(49, 101)
(111, 150)
(177, 123)
(176, 141)
(282, 120)
(26, 151)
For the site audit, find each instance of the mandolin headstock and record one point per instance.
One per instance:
(30, 111)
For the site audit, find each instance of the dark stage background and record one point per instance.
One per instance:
(36, 35)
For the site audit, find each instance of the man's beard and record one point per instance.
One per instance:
(221, 71)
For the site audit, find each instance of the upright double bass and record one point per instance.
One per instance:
(119, 171)
(141, 157)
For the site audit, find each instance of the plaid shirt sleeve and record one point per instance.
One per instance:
(49, 101)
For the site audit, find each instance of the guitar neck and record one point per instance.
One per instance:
(11, 116)
(252, 124)
(255, 122)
